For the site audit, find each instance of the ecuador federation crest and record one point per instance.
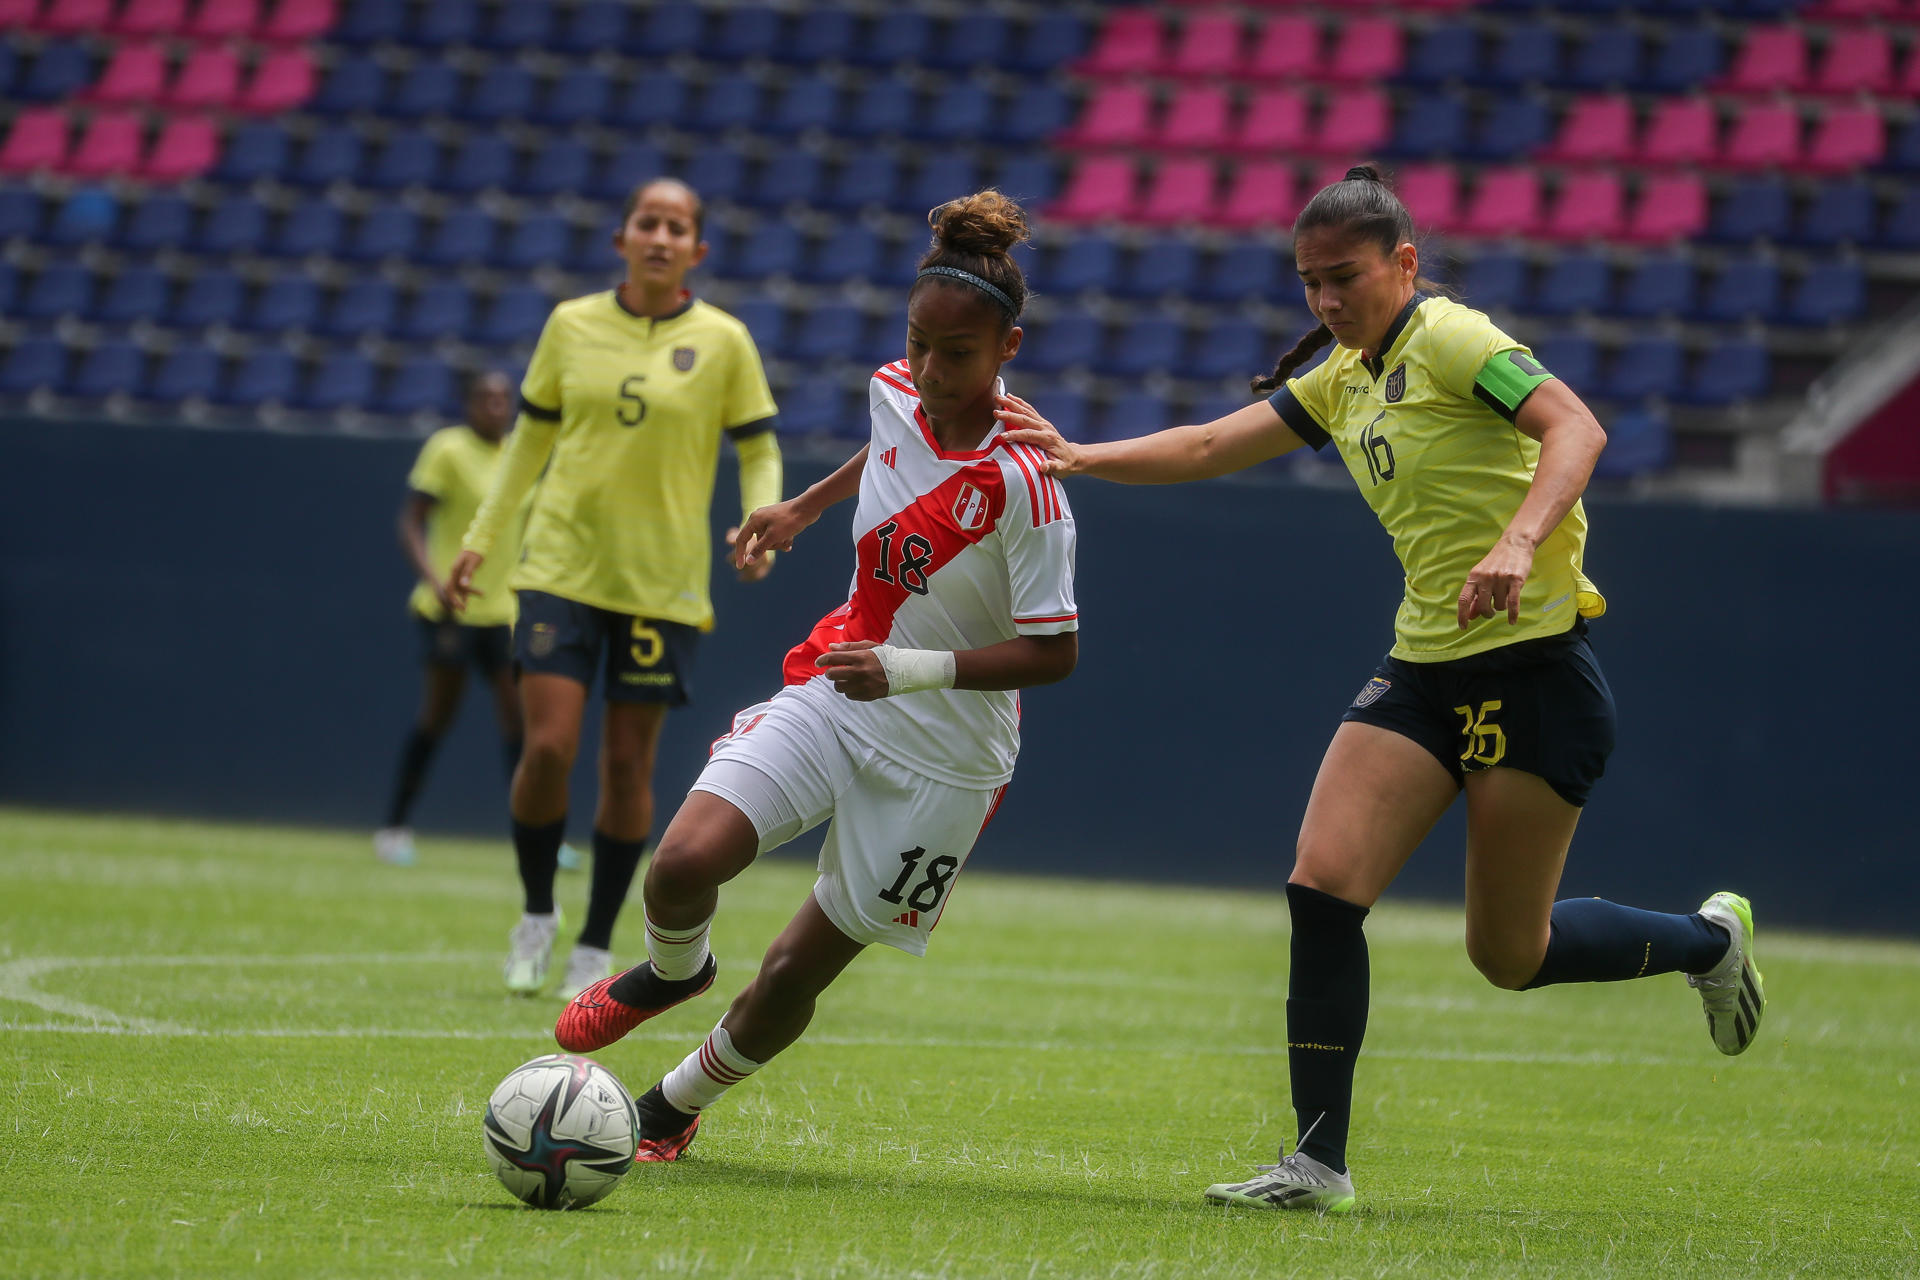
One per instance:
(1397, 383)
(683, 359)
(1373, 691)
(970, 508)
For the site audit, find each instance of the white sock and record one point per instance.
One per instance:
(677, 953)
(706, 1073)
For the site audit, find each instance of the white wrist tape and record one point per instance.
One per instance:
(915, 670)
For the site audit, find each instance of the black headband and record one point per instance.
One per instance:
(986, 286)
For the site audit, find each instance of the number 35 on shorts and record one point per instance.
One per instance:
(1483, 742)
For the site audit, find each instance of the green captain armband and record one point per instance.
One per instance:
(1506, 380)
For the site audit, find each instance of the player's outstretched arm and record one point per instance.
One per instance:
(773, 528)
(867, 672)
(1179, 454)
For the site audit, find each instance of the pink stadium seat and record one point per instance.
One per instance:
(1287, 49)
(37, 141)
(1909, 85)
(136, 73)
(1196, 119)
(1431, 193)
(1353, 123)
(1766, 136)
(1590, 206)
(1367, 50)
(1210, 45)
(188, 147)
(1129, 44)
(1329, 172)
(282, 81)
(297, 21)
(224, 19)
(1858, 60)
(1101, 188)
(18, 13)
(1116, 115)
(75, 17)
(1683, 131)
(1506, 202)
(1597, 130)
(1263, 193)
(1274, 123)
(111, 145)
(152, 18)
(1773, 59)
(1847, 138)
(210, 77)
(1672, 206)
(1181, 192)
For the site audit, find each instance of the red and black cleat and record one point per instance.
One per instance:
(593, 1019)
(668, 1149)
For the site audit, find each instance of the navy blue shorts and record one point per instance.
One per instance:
(1540, 706)
(646, 659)
(489, 650)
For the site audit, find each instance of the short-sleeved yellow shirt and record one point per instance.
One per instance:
(1426, 429)
(455, 468)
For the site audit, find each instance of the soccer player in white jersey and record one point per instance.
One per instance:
(899, 719)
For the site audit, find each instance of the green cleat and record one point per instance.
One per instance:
(1731, 990)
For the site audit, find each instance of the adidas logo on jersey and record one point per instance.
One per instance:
(911, 919)
(891, 457)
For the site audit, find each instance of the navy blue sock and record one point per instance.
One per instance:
(538, 851)
(1594, 940)
(614, 862)
(1326, 1018)
(412, 772)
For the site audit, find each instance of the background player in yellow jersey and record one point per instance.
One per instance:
(1474, 458)
(449, 478)
(624, 404)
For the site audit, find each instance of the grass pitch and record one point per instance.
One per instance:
(250, 1051)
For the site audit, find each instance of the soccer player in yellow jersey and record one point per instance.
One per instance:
(1474, 458)
(623, 407)
(450, 477)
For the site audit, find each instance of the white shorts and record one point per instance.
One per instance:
(897, 840)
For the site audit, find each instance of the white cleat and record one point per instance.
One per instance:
(586, 966)
(571, 859)
(1731, 990)
(1297, 1182)
(394, 846)
(530, 952)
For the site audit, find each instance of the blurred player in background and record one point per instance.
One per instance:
(623, 407)
(900, 717)
(1460, 442)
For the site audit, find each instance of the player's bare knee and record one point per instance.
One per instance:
(1508, 968)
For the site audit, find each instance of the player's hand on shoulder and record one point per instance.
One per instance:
(1494, 585)
(1024, 425)
(767, 530)
(854, 670)
(459, 585)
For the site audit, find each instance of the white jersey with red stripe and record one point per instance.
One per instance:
(952, 551)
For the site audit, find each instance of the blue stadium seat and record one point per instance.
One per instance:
(1216, 405)
(1900, 229)
(826, 35)
(331, 155)
(1068, 410)
(593, 26)
(439, 23)
(773, 249)
(1497, 278)
(311, 227)
(729, 101)
(189, 372)
(583, 95)
(463, 238)
(944, 174)
(791, 176)
(270, 374)
(507, 92)
(818, 405)
(113, 367)
(1243, 271)
(439, 310)
(1230, 347)
(1841, 212)
(429, 88)
(1574, 358)
(884, 106)
(1609, 57)
(853, 252)
(1528, 53)
(808, 102)
(1070, 339)
(1134, 411)
(255, 150)
(421, 383)
(563, 165)
(540, 239)
(900, 267)
(1659, 285)
(61, 70)
(19, 213)
(137, 293)
(9, 286)
(1651, 365)
(1054, 37)
(370, 22)
(9, 67)
(766, 320)
(1085, 262)
(1755, 208)
(289, 302)
(163, 220)
(1638, 441)
(368, 306)
(634, 163)
(1148, 343)
(744, 31)
(1511, 128)
(959, 113)
(1168, 265)
(343, 380)
(1903, 154)
(978, 38)
(33, 363)
(1732, 370)
(900, 35)
(87, 216)
(667, 29)
(1829, 293)
(387, 231)
(1033, 114)
(1745, 289)
(354, 84)
(212, 297)
(1575, 281)
(484, 162)
(830, 331)
(410, 158)
(717, 173)
(1033, 178)
(658, 97)
(1431, 124)
(1448, 52)
(1691, 57)
(868, 178)
(516, 314)
(519, 24)
(238, 224)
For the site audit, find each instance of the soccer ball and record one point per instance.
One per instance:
(560, 1131)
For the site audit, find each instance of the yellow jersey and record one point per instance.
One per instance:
(1425, 426)
(626, 412)
(455, 468)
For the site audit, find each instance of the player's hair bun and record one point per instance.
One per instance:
(1363, 173)
(985, 223)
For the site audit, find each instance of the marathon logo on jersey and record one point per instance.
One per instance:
(970, 508)
(911, 919)
(1375, 690)
(683, 359)
(1397, 383)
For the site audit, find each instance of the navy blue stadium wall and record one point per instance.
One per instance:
(213, 624)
